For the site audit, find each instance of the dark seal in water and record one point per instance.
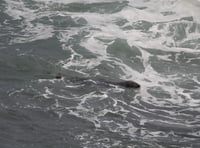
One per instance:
(58, 76)
(123, 83)
(127, 84)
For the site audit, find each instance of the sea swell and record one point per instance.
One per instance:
(155, 43)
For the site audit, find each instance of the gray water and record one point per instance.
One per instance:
(153, 42)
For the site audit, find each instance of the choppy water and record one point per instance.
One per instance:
(153, 42)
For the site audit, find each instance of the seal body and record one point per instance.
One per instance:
(123, 83)
(128, 84)
(58, 76)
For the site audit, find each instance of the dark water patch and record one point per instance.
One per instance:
(142, 112)
(26, 68)
(188, 135)
(36, 101)
(2, 5)
(81, 21)
(141, 8)
(155, 51)
(166, 13)
(34, 5)
(8, 21)
(195, 123)
(83, 87)
(58, 21)
(188, 18)
(134, 119)
(84, 52)
(104, 7)
(142, 25)
(162, 66)
(150, 105)
(44, 95)
(190, 112)
(108, 70)
(167, 127)
(76, 39)
(69, 87)
(178, 139)
(131, 56)
(42, 129)
(68, 103)
(187, 83)
(28, 97)
(112, 116)
(195, 95)
(49, 49)
(128, 27)
(7, 88)
(121, 22)
(105, 138)
(170, 142)
(4, 17)
(127, 96)
(62, 21)
(197, 77)
(192, 44)
(194, 27)
(13, 115)
(98, 104)
(173, 67)
(183, 57)
(31, 59)
(31, 98)
(104, 40)
(9, 28)
(178, 31)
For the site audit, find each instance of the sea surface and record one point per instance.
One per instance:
(155, 43)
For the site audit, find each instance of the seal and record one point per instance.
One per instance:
(58, 76)
(127, 84)
(123, 83)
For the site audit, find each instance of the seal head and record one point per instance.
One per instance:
(58, 76)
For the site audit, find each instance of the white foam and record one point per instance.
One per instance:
(31, 32)
(188, 8)
(17, 10)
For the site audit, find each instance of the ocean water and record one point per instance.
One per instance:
(155, 43)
